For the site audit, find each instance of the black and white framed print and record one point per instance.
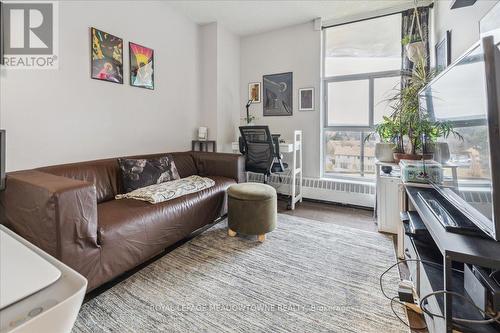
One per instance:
(443, 52)
(278, 94)
(306, 99)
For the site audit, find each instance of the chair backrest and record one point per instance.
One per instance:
(258, 148)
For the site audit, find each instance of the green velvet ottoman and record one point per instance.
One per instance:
(252, 209)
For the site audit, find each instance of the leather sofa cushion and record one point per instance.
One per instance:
(131, 231)
(104, 174)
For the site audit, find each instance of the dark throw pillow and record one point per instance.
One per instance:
(138, 173)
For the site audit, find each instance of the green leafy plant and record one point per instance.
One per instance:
(408, 120)
(250, 119)
(387, 131)
(408, 39)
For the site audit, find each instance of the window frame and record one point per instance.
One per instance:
(371, 77)
(363, 130)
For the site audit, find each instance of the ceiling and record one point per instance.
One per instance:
(247, 17)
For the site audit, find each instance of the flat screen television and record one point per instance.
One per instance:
(467, 94)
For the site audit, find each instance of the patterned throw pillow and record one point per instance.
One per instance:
(138, 173)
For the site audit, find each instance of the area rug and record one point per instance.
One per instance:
(308, 276)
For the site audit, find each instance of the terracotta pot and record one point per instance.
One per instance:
(413, 157)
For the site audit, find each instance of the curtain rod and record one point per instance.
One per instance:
(372, 17)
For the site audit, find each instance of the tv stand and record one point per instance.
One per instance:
(443, 255)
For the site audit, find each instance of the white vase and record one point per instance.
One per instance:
(384, 152)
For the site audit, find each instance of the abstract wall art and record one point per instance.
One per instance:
(107, 56)
(141, 66)
(278, 94)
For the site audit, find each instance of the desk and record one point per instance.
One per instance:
(294, 148)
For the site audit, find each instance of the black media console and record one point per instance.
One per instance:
(445, 255)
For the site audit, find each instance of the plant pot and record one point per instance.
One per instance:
(441, 152)
(384, 152)
(413, 157)
(415, 50)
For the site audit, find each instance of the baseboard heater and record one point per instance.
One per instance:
(331, 190)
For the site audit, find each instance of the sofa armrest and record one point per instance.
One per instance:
(57, 214)
(220, 164)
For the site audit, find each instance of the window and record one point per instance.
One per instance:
(361, 66)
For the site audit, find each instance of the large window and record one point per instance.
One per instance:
(362, 64)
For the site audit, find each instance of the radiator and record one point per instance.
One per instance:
(338, 191)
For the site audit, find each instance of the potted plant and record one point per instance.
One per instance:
(387, 132)
(417, 132)
(250, 120)
(415, 47)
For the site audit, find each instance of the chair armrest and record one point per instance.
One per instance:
(57, 214)
(220, 164)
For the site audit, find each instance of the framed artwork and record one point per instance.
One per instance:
(107, 56)
(278, 94)
(141, 66)
(306, 99)
(443, 52)
(254, 93)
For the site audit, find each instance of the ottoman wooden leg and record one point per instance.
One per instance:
(262, 238)
(231, 233)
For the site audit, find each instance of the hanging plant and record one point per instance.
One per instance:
(414, 42)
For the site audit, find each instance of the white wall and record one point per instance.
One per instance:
(294, 49)
(463, 23)
(59, 116)
(220, 96)
(208, 88)
(228, 65)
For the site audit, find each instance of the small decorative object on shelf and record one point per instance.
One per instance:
(387, 169)
(202, 133)
(416, 172)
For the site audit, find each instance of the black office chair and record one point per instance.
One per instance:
(261, 150)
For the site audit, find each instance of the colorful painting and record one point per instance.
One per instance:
(141, 66)
(107, 57)
(278, 94)
(254, 92)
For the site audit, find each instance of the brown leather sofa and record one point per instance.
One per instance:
(70, 212)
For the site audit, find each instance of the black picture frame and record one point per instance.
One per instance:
(130, 66)
(443, 52)
(279, 86)
(93, 67)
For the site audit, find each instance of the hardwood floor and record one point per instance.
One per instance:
(332, 213)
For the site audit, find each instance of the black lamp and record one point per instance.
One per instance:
(250, 101)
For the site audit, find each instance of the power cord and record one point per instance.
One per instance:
(395, 299)
(491, 319)
(460, 320)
